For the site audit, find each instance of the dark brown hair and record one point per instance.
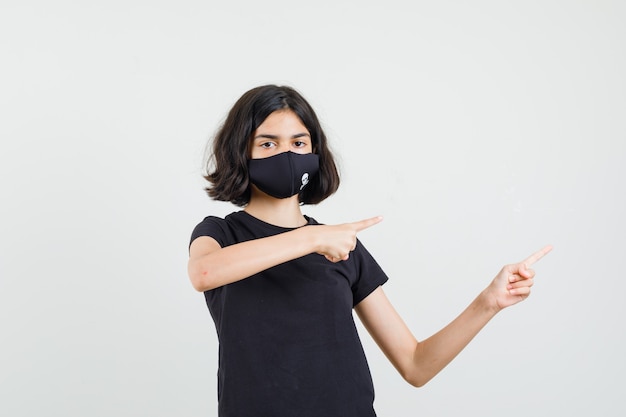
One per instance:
(227, 167)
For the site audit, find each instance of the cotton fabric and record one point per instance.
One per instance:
(288, 342)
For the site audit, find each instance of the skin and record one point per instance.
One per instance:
(211, 266)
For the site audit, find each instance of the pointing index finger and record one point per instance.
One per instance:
(364, 224)
(537, 255)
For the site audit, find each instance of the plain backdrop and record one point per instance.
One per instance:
(480, 130)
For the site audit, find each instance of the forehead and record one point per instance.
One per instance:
(282, 120)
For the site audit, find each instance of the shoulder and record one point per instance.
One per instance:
(209, 222)
(216, 227)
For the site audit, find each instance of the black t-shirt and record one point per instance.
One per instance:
(288, 342)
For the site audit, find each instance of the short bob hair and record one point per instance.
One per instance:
(227, 166)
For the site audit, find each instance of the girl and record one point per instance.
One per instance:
(281, 287)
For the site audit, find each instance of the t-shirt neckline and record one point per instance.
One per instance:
(309, 221)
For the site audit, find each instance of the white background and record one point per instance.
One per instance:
(480, 130)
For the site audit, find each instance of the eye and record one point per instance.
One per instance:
(299, 144)
(267, 145)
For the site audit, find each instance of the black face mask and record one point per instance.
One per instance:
(283, 175)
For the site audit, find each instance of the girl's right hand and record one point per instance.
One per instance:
(336, 242)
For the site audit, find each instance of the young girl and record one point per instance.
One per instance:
(281, 287)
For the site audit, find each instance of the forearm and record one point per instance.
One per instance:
(433, 354)
(419, 362)
(233, 263)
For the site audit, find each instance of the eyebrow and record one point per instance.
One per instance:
(268, 136)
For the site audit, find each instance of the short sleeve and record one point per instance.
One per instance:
(369, 274)
(214, 227)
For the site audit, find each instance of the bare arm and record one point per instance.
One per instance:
(420, 361)
(211, 266)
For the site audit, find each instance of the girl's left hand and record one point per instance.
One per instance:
(513, 283)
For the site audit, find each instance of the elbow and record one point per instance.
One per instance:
(415, 371)
(415, 378)
(415, 381)
(200, 278)
(198, 286)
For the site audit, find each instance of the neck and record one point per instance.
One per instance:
(283, 212)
